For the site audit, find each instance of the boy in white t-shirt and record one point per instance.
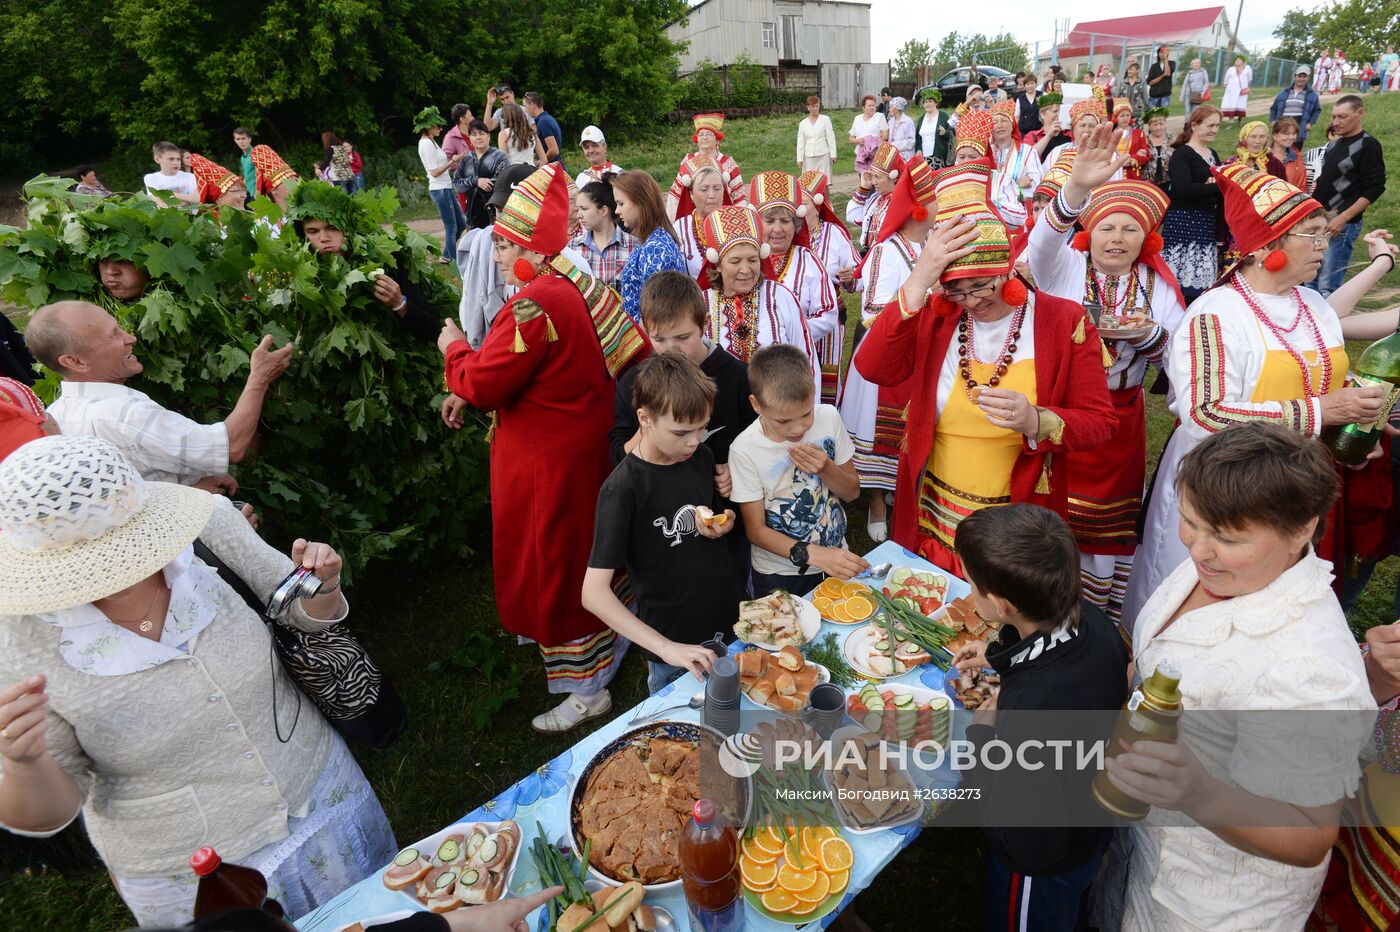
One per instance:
(791, 469)
(170, 177)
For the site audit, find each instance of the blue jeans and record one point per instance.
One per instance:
(1161, 101)
(357, 183)
(1381, 89)
(453, 223)
(659, 674)
(1334, 264)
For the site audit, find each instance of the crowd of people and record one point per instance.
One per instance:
(677, 426)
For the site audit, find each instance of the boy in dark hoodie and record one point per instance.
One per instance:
(1055, 653)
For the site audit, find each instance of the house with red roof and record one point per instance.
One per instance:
(1111, 41)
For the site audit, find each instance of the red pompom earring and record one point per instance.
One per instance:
(1013, 292)
(919, 213)
(525, 271)
(1080, 241)
(1275, 260)
(1151, 244)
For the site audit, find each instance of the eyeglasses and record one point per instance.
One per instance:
(1319, 240)
(981, 292)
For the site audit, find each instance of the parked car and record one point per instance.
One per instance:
(953, 85)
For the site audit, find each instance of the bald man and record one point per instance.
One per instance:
(94, 355)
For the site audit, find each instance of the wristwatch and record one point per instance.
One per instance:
(798, 556)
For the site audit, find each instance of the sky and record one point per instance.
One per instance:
(892, 22)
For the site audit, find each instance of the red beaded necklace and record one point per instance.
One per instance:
(967, 351)
(1243, 289)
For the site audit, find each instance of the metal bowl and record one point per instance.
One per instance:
(677, 730)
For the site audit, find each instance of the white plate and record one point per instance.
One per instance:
(823, 676)
(857, 647)
(1127, 333)
(915, 814)
(429, 846)
(809, 622)
(377, 920)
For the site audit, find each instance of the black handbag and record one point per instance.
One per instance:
(330, 667)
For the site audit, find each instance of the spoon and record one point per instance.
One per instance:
(877, 571)
(696, 701)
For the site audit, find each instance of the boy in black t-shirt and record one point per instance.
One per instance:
(1056, 653)
(660, 515)
(673, 316)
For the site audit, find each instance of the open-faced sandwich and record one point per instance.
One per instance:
(468, 868)
(963, 618)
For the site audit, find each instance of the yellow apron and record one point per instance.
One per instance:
(970, 465)
(1280, 379)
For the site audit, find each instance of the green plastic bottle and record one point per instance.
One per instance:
(1378, 365)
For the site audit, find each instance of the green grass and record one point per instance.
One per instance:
(436, 632)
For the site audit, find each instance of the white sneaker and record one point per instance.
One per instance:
(879, 531)
(573, 711)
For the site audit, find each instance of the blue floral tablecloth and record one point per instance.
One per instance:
(543, 797)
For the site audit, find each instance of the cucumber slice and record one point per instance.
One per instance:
(444, 880)
(873, 721)
(406, 857)
(470, 877)
(488, 849)
(449, 851)
(882, 644)
(904, 702)
(474, 844)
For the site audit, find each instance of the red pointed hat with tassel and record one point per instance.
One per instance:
(536, 215)
(1260, 208)
(913, 196)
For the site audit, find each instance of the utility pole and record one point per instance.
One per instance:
(1235, 33)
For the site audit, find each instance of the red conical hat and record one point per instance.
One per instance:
(912, 194)
(536, 215)
(887, 160)
(779, 189)
(1260, 208)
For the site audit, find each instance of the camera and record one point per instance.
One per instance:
(301, 583)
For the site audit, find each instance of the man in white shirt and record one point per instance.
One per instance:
(595, 150)
(90, 350)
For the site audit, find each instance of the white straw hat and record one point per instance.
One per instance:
(78, 523)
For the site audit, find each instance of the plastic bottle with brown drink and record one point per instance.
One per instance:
(1151, 714)
(228, 886)
(710, 871)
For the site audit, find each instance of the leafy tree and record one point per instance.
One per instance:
(352, 449)
(1297, 35)
(1360, 28)
(748, 82)
(956, 50)
(140, 70)
(913, 54)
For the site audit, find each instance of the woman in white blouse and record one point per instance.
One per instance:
(139, 690)
(816, 140)
(1246, 805)
(868, 124)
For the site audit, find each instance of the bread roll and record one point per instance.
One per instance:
(784, 684)
(761, 691)
(752, 662)
(790, 658)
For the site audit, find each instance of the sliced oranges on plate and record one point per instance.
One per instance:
(805, 880)
(844, 603)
